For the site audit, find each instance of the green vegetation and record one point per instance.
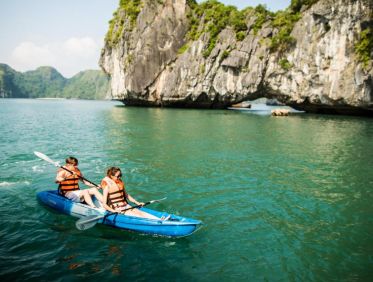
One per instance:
(285, 64)
(191, 3)
(212, 17)
(89, 84)
(262, 15)
(183, 48)
(131, 8)
(364, 47)
(128, 60)
(240, 35)
(47, 82)
(296, 5)
(127, 12)
(284, 21)
(7, 87)
(202, 68)
(225, 54)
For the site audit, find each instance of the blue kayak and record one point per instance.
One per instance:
(175, 226)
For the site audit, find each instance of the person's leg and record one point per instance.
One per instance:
(74, 196)
(139, 213)
(96, 193)
(87, 198)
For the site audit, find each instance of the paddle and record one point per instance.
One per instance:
(49, 160)
(89, 221)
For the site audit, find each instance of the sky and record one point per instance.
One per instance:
(66, 34)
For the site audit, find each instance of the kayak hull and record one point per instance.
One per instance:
(176, 226)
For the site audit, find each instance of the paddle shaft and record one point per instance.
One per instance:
(111, 213)
(137, 206)
(83, 224)
(97, 218)
(49, 160)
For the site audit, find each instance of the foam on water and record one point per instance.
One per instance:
(37, 168)
(6, 183)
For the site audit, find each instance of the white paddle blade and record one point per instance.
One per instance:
(153, 201)
(87, 222)
(46, 158)
(85, 226)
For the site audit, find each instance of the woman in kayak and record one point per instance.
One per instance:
(69, 184)
(115, 195)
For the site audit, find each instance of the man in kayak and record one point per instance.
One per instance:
(115, 195)
(69, 184)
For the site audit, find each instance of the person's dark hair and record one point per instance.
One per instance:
(113, 170)
(72, 161)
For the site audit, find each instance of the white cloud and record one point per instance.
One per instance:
(28, 55)
(80, 47)
(68, 57)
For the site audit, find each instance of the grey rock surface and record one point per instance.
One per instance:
(147, 69)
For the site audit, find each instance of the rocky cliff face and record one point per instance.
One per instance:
(319, 72)
(326, 75)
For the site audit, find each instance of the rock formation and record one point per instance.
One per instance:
(153, 61)
(280, 112)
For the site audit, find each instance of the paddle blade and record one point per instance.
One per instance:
(46, 158)
(87, 222)
(154, 201)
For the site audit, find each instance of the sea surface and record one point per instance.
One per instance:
(281, 198)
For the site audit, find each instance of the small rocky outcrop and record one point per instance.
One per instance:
(280, 112)
(153, 60)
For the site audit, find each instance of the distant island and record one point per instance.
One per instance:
(47, 82)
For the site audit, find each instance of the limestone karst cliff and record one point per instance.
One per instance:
(176, 54)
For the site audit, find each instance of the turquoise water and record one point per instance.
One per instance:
(282, 199)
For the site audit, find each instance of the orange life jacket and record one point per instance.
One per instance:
(71, 183)
(117, 198)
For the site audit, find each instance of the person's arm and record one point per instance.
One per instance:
(129, 197)
(61, 176)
